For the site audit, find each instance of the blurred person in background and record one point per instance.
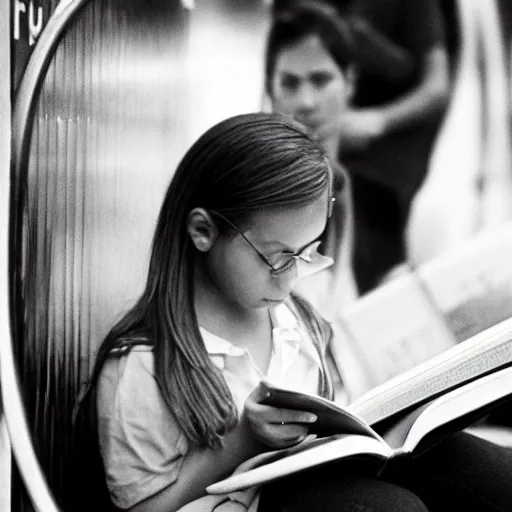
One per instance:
(309, 76)
(388, 113)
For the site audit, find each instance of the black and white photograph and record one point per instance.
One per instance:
(255, 255)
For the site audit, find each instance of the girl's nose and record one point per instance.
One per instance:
(286, 280)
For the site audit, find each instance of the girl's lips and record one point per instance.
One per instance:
(276, 301)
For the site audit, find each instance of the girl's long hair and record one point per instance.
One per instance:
(242, 165)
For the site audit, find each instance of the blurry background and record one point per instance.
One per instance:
(132, 84)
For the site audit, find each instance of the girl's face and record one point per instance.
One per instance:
(308, 85)
(236, 272)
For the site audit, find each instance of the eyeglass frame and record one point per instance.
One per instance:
(301, 254)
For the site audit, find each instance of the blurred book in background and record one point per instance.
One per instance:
(424, 311)
(472, 284)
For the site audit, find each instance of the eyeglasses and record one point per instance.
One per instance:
(285, 260)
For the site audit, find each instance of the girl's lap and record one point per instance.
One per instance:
(462, 472)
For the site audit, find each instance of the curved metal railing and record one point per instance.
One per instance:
(22, 118)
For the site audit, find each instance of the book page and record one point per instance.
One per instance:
(485, 352)
(394, 328)
(459, 403)
(331, 419)
(319, 451)
(472, 285)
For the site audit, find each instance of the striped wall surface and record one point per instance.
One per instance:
(130, 87)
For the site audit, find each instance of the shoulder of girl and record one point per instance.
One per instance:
(129, 361)
(125, 346)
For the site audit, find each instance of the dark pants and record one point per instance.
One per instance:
(380, 217)
(461, 473)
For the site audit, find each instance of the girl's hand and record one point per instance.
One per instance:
(272, 426)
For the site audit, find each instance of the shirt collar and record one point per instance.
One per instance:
(217, 346)
(286, 330)
(284, 327)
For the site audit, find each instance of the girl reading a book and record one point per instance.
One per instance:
(177, 402)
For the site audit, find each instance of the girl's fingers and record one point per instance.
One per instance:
(288, 432)
(277, 427)
(291, 416)
(281, 435)
(270, 414)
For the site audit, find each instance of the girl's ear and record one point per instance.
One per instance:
(201, 229)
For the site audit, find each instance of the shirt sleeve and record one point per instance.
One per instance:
(141, 445)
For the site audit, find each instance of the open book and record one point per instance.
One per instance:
(399, 419)
(471, 285)
(394, 328)
(425, 311)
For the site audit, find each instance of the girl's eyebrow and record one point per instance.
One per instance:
(304, 246)
(283, 247)
(273, 246)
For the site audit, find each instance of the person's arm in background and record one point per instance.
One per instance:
(423, 24)
(428, 98)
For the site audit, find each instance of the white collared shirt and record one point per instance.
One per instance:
(294, 363)
(141, 443)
